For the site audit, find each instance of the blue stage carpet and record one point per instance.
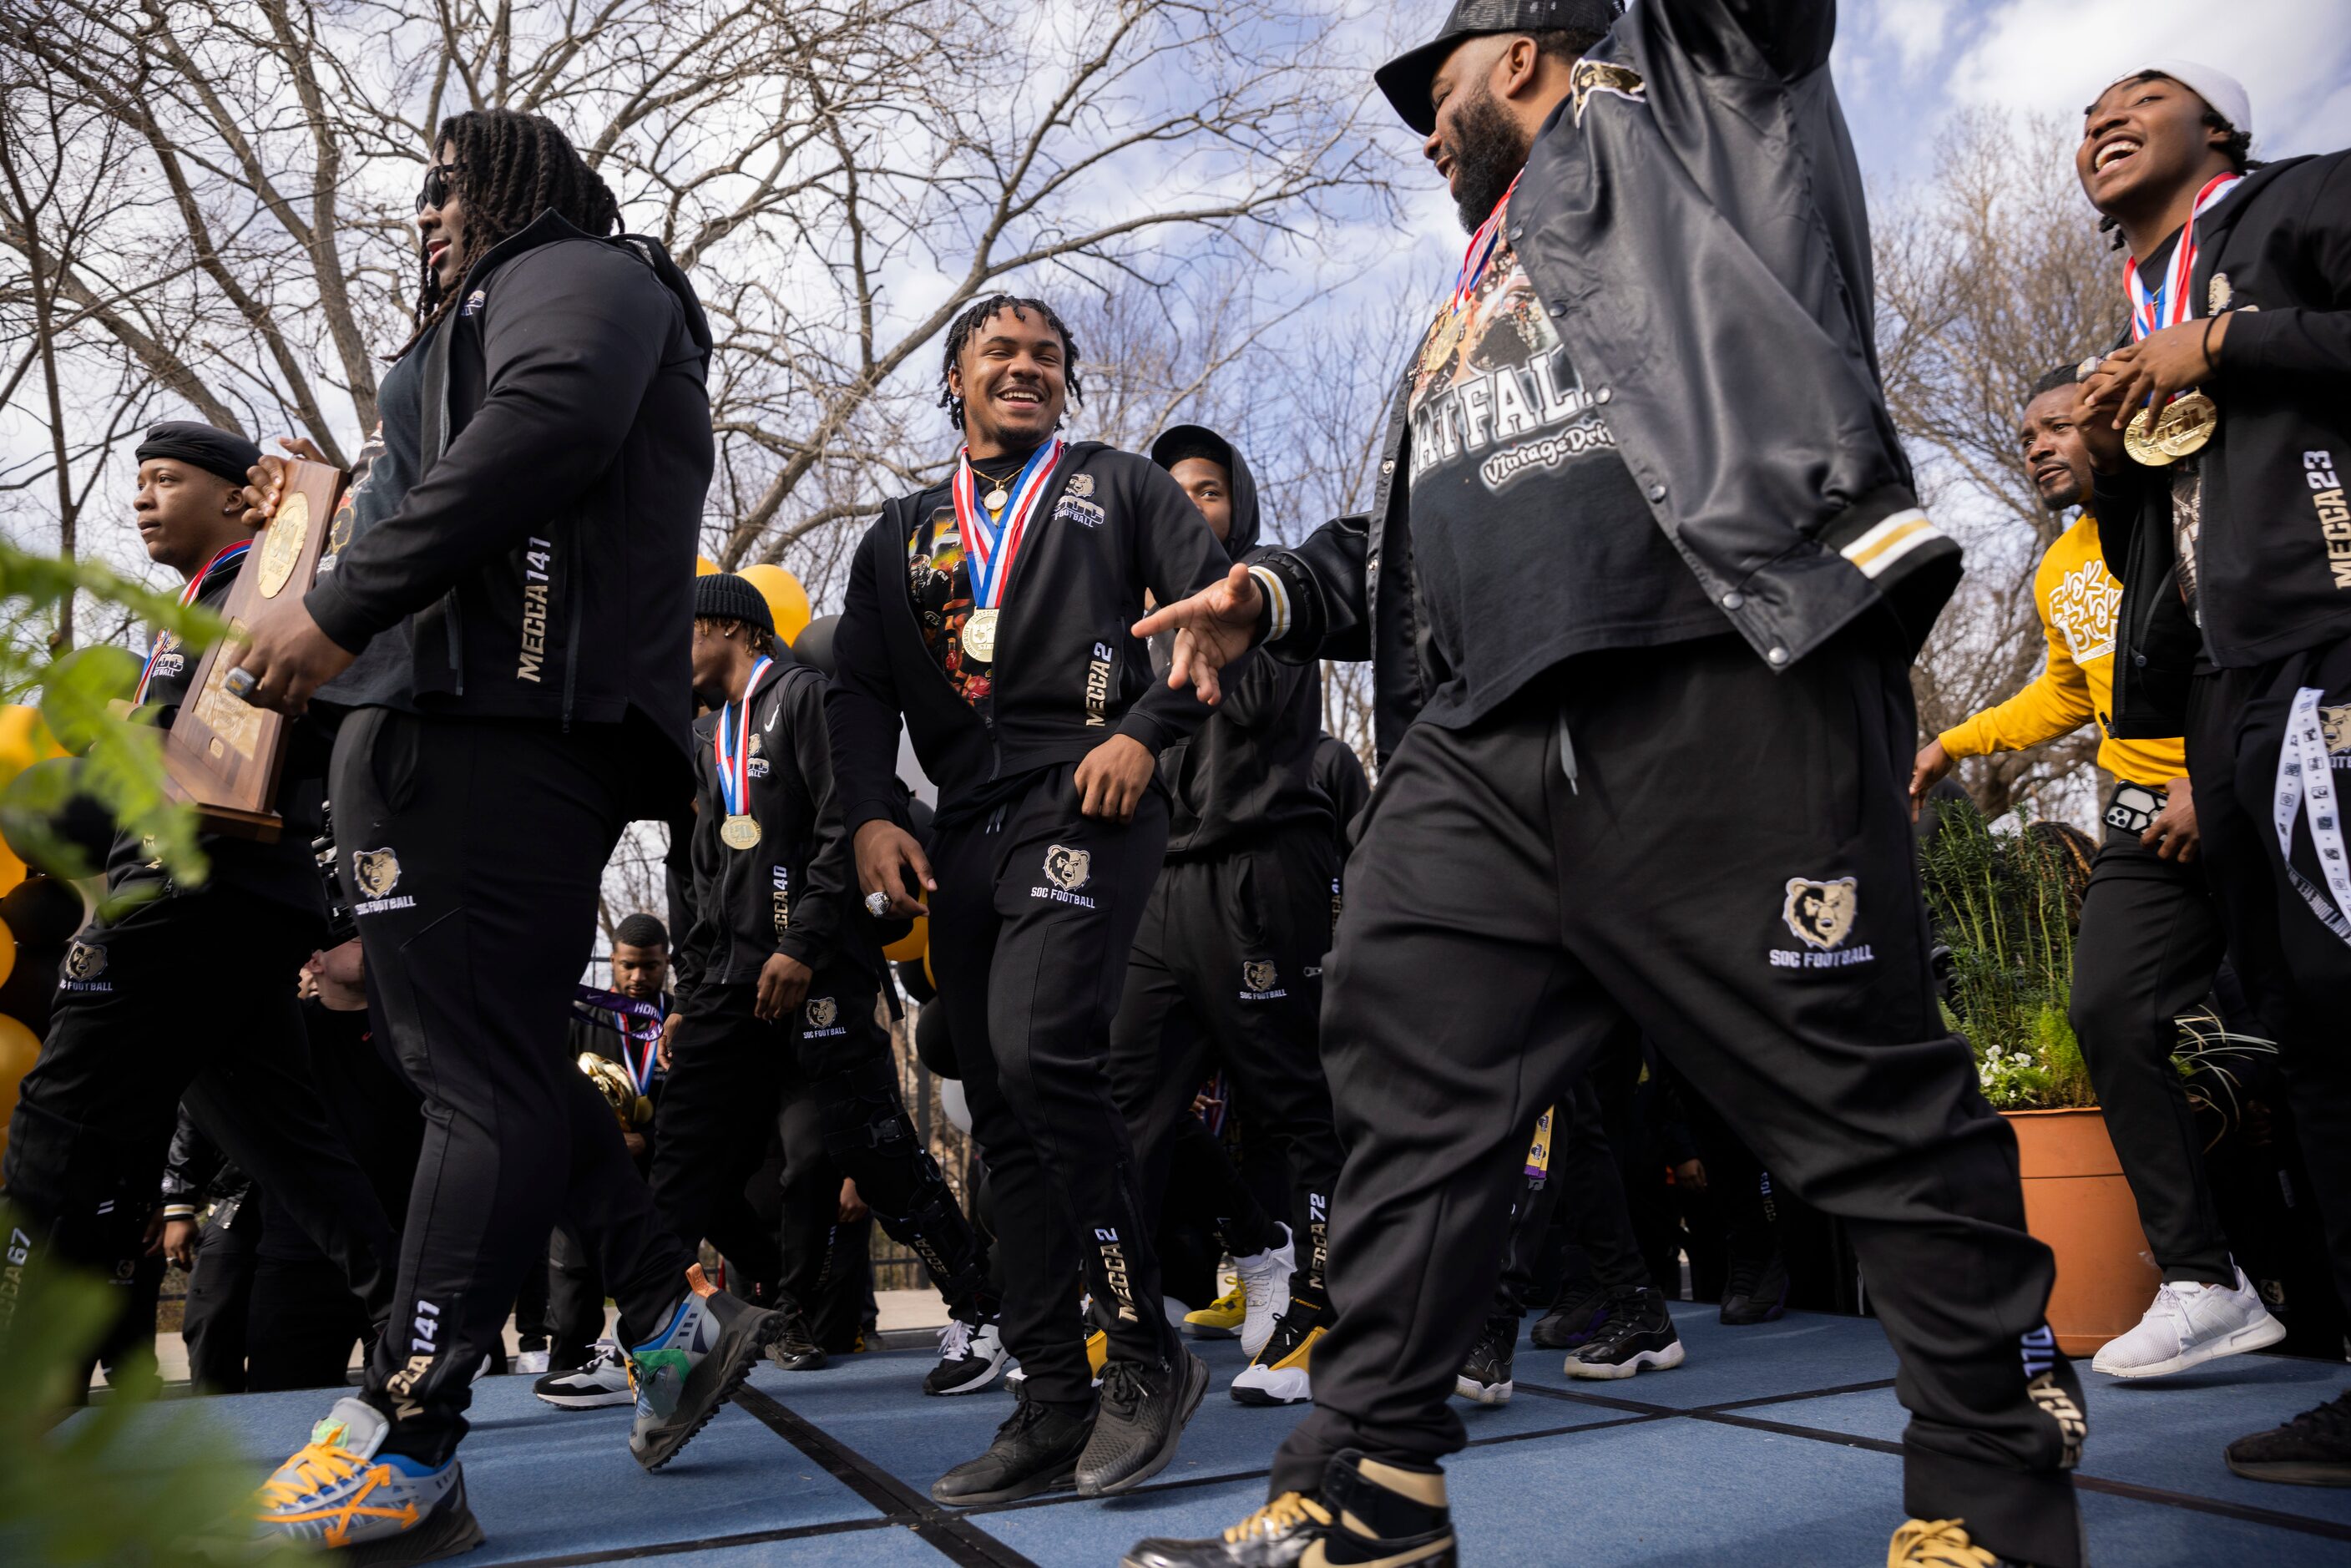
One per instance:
(1770, 1446)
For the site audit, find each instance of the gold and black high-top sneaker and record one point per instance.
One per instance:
(1367, 1515)
(1940, 1543)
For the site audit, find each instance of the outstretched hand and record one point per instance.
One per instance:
(1213, 628)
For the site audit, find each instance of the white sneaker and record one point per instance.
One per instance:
(2187, 1325)
(603, 1381)
(1265, 1284)
(531, 1363)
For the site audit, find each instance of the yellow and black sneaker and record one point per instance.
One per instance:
(1367, 1515)
(1280, 1373)
(1939, 1544)
(1222, 1318)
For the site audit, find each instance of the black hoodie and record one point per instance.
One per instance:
(795, 891)
(1068, 674)
(1248, 772)
(541, 558)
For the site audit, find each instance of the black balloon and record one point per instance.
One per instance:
(916, 984)
(814, 644)
(48, 821)
(933, 1044)
(42, 912)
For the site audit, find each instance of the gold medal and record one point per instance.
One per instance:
(2182, 430)
(1442, 344)
(994, 499)
(979, 636)
(740, 831)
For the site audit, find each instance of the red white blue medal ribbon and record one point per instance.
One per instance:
(991, 542)
(227, 555)
(732, 744)
(1481, 250)
(2170, 304)
(638, 1022)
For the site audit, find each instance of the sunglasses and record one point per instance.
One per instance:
(439, 181)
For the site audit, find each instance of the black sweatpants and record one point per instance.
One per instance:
(1209, 1191)
(1031, 927)
(575, 1302)
(303, 1323)
(187, 997)
(1732, 867)
(2147, 947)
(1227, 972)
(474, 851)
(220, 1299)
(1596, 1214)
(730, 1075)
(2289, 932)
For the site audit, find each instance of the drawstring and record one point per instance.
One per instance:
(996, 818)
(1567, 754)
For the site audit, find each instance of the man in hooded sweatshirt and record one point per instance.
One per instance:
(1227, 968)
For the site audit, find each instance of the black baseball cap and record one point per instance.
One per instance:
(1404, 80)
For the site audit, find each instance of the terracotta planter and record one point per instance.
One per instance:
(2077, 1203)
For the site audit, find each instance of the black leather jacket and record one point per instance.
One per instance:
(195, 1173)
(1692, 218)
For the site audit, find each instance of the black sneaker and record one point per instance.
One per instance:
(1035, 1451)
(797, 1351)
(1368, 1512)
(2313, 1449)
(685, 1373)
(1139, 1422)
(1757, 1291)
(1639, 1333)
(970, 1356)
(1576, 1316)
(1485, 1377)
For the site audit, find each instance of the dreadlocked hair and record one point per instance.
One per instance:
(960, 334)
(511, 168)
(759, 639)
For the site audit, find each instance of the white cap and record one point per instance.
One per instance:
(2223, 93)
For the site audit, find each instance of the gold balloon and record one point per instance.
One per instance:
(7, 951)
(18, 1046)
(926, 969)
(12, 870)
(705, 567)
(787, 601)
(24, 740)
(915, 944)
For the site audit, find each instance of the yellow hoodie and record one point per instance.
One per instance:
(2077, 598)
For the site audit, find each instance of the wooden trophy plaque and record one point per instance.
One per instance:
(223, 755)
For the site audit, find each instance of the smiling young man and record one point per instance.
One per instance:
(992, 611)
(788, 971)
(2150, 937)
(1584, 589)
(517, 569)
(1227, 967)
(2224, 513)
(177, 992)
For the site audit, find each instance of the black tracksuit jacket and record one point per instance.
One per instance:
(1248, 773)
(797, 891)
(2274, 553)
(284, 871)
(1068, 674)
(566, 451)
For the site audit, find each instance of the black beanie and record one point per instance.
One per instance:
(215, 451)
(723, 596)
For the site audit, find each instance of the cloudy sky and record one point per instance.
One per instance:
(1905, 66)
